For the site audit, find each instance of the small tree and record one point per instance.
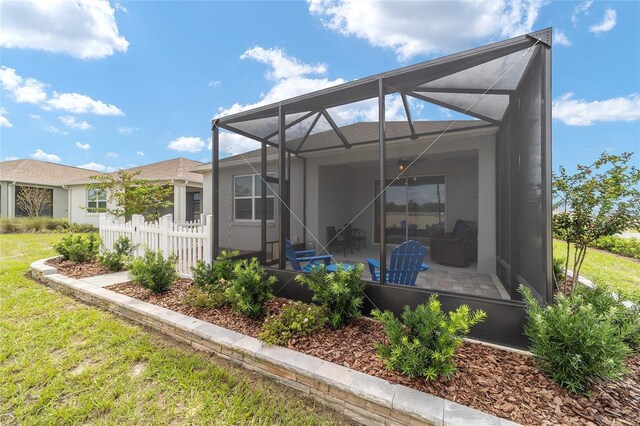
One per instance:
(33, 201)
(132, 195)
(598, 200)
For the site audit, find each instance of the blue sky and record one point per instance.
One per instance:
(109, 85)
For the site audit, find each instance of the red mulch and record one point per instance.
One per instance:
(496, 381)
(77, 270)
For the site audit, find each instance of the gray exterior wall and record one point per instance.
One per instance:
(8, 199)
(339, 184)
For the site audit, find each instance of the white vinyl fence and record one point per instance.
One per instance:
(189, 242)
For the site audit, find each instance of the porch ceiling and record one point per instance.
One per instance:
(476, 82)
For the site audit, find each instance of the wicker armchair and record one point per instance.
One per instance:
(456, 248)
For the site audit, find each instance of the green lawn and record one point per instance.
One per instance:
(620, 273)
(62, 362)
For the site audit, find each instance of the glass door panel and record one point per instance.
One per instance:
(415, 209)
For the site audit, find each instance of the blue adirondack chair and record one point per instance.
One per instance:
(406, 263)
(308, 257)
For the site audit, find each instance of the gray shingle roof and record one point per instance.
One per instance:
(362, 132)
(174, 169)
(41, 172)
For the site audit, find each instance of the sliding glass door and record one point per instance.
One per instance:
(415, 209)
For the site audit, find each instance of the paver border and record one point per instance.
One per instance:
(363, 398)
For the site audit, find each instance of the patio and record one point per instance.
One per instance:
(441, 278)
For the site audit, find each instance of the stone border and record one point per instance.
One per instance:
(363, 398)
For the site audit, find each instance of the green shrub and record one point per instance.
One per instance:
(203, 299)
(34, 225)
(153, 271)
(558, 271)
(573, 343)
(78, 228)
(629, 247)
(121, 255)
(626, 319)
(296, 318)
(207, 275)
(250, 288)
(424, 343)
(340, 292)
(78, 248)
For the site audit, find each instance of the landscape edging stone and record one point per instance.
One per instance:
(363, 398)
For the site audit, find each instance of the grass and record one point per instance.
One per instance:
(620, 273)
(62, 362)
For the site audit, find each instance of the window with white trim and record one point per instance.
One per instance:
(96, 200)
(246, 198)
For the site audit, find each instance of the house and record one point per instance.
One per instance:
(18, 174)
(486, 177)
(186, 198)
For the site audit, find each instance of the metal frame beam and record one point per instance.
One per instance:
(215, 192)
(454, 108)
(336, 129)
(407, 111)
(293, 123)
(306, 135)
(383, 182)
(466, 90)
(263, 201)
(282, 261)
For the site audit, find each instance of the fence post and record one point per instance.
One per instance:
(137, 221)
(208, 228)
(166, 222)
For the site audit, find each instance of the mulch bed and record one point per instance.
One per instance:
(77, 270)
(496, 381)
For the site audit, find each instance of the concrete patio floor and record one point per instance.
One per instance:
(464, 280)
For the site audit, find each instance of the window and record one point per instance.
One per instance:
(96, 201)
(32, 201)
(246, 195)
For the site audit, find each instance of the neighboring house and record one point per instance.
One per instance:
(186, 198)
(488, 180)
(16, 174)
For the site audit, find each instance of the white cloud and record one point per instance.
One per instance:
(290, 76)
(33, 91)
(578, 112)
(127, 130)
(214, 83)
(4, 121)
(582, 8)
(140, 153)
(111, 155)
(560, 38)
(81, 104)
(71, 122)
(189, 144)
(84, 146)
(11, 158)
(98, 167)
(84, 29)
(35, 116)
(55, 130)
(23, 91)
(43, 156)
(607, 23)
(9, 79)
(418, 28)
(233, 144)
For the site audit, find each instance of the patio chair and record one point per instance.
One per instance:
(334, 240)
(406, 263)
(456, 248)
(307, 257)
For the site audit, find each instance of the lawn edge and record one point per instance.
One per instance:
(363, 398)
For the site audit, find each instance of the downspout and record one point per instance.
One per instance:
(68, 202)
(11, 212)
